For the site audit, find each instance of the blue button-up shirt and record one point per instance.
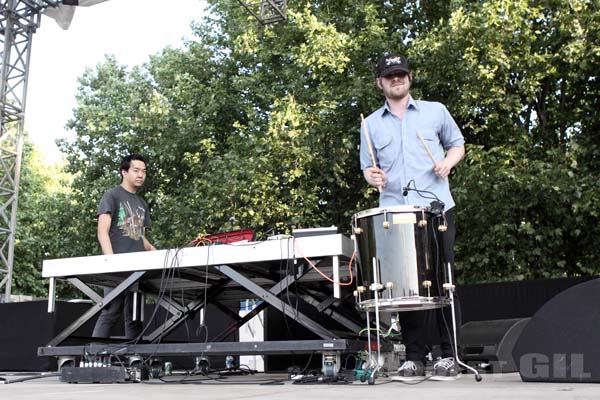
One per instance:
(401, 155)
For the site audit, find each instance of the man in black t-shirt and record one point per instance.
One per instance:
(122, 221)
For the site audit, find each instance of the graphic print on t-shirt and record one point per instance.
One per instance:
(131, 221)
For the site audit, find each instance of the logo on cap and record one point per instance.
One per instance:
(393, 61)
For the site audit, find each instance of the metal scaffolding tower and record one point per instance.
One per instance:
(266, 11)
(19, 20)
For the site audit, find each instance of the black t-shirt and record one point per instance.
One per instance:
(129, 219)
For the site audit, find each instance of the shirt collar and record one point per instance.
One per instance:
(411, 104)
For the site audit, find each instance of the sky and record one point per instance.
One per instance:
(131, 30)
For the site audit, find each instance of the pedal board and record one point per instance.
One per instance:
(112, 374)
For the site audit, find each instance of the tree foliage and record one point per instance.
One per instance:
(521, 79)
(261, 123)
(47, 224)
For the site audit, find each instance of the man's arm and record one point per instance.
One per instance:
(104, 221)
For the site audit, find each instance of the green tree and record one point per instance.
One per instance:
(519, 78)
(262, 123)
(46, 224)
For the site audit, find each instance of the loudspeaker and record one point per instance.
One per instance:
(490, 343)
(27, 326)
(561, 343)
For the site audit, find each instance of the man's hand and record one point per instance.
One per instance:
(442, 169)
(148, 246)
(453, 156)
(375, 177)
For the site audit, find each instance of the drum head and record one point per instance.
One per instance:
(390, 209)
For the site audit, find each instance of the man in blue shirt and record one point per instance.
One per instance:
(402, 160)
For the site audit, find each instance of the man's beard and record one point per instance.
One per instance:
(397, 95)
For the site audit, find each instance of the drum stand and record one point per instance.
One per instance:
(375, 365)
(450, 287)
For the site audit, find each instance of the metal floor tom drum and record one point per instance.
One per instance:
(399, 257)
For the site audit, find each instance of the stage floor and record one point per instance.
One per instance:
(493, 386)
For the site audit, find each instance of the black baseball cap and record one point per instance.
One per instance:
(392, 64)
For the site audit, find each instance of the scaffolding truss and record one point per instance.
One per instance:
(267, 11)
(19, 20)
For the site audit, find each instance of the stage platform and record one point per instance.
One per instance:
(493, 386)
(284, 274)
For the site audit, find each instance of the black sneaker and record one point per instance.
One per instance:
(410, 371)
(445, 370)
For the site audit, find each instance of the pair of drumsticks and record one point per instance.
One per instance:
(370, 147)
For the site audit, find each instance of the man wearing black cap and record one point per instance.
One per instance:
(401, 160)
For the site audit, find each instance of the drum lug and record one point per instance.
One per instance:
(357, 230)
(386, 224)
(448, 286)
(422, 223)
(359, 291)
(443, 228)
(389, 286)
(356, 296)
(426, 284)
(376, 286)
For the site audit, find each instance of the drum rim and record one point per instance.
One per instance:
(391, 209)
(409, 303)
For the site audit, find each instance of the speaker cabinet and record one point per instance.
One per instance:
(27, 326)
(490, 343)
(561, 343)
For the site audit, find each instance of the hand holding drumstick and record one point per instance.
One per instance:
(441, 168)
(374, 175)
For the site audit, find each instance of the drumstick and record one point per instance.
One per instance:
(429, 153)
(369, 147)
(368, 140)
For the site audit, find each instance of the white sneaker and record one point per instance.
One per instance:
(445, 370)
(410, 371)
